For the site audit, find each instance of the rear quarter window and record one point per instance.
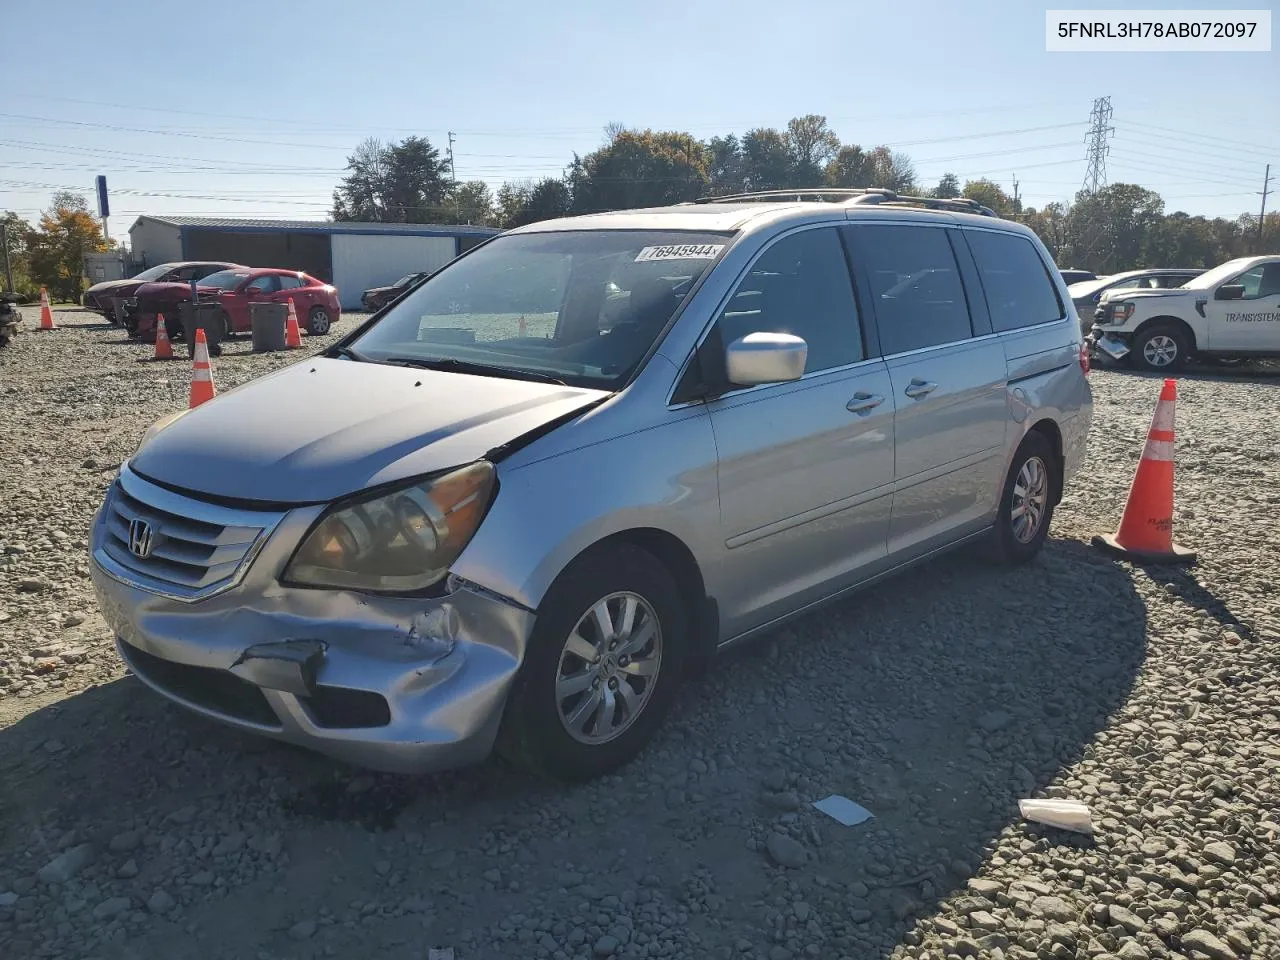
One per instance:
(1015, 280)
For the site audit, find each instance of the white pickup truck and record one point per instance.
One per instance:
(1229, 313)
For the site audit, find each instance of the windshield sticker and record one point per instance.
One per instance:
(680, 251)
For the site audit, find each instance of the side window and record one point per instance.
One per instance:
(801, 286)
(289, 283)
(916, 285)
(267, 284)
(1262, 281)
(1169, 281)
(1014, 280)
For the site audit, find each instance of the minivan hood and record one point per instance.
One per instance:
(324, 428)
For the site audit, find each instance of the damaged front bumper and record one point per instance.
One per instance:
(390, 683)
(1108, 345)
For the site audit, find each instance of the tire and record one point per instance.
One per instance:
(535, 731)
(228, 331)
(1014, 543)
(173, 327)
(318, 321)
(1161, 348)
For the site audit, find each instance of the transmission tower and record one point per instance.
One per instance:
(1100, 131)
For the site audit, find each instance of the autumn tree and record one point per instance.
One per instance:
(989, 194)
(56, 249)
(639, 168)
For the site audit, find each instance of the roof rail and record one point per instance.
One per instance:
(955, 204)
(852, 195)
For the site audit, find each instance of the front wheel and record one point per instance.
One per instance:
(603, 664)
(1026, 503)
(1161, 349)
(318, 321)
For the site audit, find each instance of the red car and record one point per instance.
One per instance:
(316, 302)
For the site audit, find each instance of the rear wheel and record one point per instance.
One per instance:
(1161, 348)
(1026, 503)
(318, 321)
(603, 664)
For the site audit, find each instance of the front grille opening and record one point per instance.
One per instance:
(206, 687)
(340, 708)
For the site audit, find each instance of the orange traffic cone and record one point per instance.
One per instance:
(292, 335)
(1146, 528)
(46, 312)
(202, 387)
(164, 346)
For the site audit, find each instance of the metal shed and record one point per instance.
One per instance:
(351, 256)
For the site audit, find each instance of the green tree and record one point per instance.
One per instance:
(726, 170)
(766, 160)
(1113, 228)
(55, 251)
(989, 194)
(16, 232)
(850, 167)
(948, 187)
(529, 202)
(811, 145)
(892, 170)
(470, 202)
(406, 182)
(639, 169)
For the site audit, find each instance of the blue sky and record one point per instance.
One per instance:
(150, 94)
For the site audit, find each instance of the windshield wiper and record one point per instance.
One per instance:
(346, 352)
(478, 369)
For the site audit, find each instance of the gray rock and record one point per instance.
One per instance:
(110, 908)
(8, 898)
(183, 815)
(1133, 950)
(1208, 944)
(128, 869)
(994, 720)
(303, 930)
(1220, 852)
(66, 864)
(981, 920)
(124, 842)
(160, 902)
(33, 585)
(1053, 908)
(985, 888)
(605, 946)
(1127, 919)
(786, 852)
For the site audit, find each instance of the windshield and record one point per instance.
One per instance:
(224, 280)
(154, 273)
(1087, 288)
(581, 306)
(406, 279)
(1211, 278)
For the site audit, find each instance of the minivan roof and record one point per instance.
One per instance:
(724, 217)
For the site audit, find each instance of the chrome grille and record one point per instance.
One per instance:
(195, 548)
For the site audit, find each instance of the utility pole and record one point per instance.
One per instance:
(1262, 214)
(8, 268)
(1017, 204)
(453, 176)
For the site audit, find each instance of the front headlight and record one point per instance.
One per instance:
(1122, 311)
(397, 542)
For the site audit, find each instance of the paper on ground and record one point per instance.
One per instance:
(1064, 814)
(843, 809)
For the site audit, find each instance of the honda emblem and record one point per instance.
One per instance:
(141, 538)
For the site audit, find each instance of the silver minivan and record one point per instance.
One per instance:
(521, 503)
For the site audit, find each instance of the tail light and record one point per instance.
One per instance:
(1084, 357)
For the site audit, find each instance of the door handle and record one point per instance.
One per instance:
(863, 402)
(920, 388)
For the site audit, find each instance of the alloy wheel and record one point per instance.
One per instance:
(1160, 350)
(608, 668)
(1029, 499)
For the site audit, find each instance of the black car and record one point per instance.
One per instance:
(1076, 276)
(378, 297)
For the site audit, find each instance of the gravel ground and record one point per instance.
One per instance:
(129, 829)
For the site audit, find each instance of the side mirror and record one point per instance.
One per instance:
(765, 358)
(1230, 291)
